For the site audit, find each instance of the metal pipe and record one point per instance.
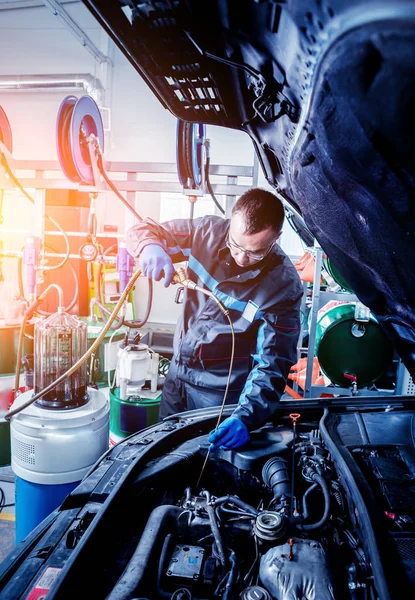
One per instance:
(19, 4)
(59, 81)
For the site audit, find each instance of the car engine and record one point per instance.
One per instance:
(269, 522)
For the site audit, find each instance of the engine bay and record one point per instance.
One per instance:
(318, 506)
(244, 545)
(234, 536)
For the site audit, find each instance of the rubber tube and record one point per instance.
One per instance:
(111, 185)
(29, 197)
(238, 502)
(228, 593)
(209, 186)
(137, 324)
(162, 519)
(311, 526)
(275, 476)
(27, 316)
(215, 529)
(307, 493)
(103, 310)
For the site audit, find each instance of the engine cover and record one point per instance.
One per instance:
(306, 576)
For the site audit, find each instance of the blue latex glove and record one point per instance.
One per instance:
(232, 433)
(153, 261)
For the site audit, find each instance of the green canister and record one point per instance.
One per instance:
(133, 414)
(347, 347)
(335, 273)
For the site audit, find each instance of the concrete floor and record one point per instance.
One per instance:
(7, 515)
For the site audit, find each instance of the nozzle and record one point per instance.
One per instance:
(179, 276)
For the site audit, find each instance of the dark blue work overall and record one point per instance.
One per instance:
(263, 302)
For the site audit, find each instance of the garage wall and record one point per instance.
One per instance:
(34, 41)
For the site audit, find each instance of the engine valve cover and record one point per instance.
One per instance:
(306, 576)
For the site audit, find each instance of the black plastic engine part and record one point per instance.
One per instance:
(263, 444)
(275, 476)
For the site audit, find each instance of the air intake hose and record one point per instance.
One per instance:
(275, 476)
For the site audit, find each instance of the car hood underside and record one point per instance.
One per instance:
(326, 91)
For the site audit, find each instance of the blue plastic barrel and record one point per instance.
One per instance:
(34, 502)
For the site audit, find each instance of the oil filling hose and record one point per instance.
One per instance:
(181, 278)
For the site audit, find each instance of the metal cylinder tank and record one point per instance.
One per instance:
(345, 346)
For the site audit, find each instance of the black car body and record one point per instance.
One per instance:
(320, 506)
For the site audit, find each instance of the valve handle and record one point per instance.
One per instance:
(349, 376)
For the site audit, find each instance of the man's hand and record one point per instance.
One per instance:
(153, 261)
(232, 433)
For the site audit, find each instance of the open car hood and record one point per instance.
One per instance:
(143, 524)
(325, 90)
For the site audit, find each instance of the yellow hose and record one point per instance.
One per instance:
(225, 394)
(181, 278)
(87, 354)
(19, 355)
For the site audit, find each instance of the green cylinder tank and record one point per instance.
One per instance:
(345, 346)
(338, 278)
(132, 415)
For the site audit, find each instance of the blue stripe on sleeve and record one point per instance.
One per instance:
(260, 363)
(177, 250)
(212, 285)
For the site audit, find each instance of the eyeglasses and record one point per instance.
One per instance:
(252, 255)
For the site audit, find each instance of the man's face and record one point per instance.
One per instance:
(247, 250)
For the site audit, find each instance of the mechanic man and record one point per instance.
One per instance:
(239, 260)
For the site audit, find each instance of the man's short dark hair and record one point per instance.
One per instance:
(261, 209)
